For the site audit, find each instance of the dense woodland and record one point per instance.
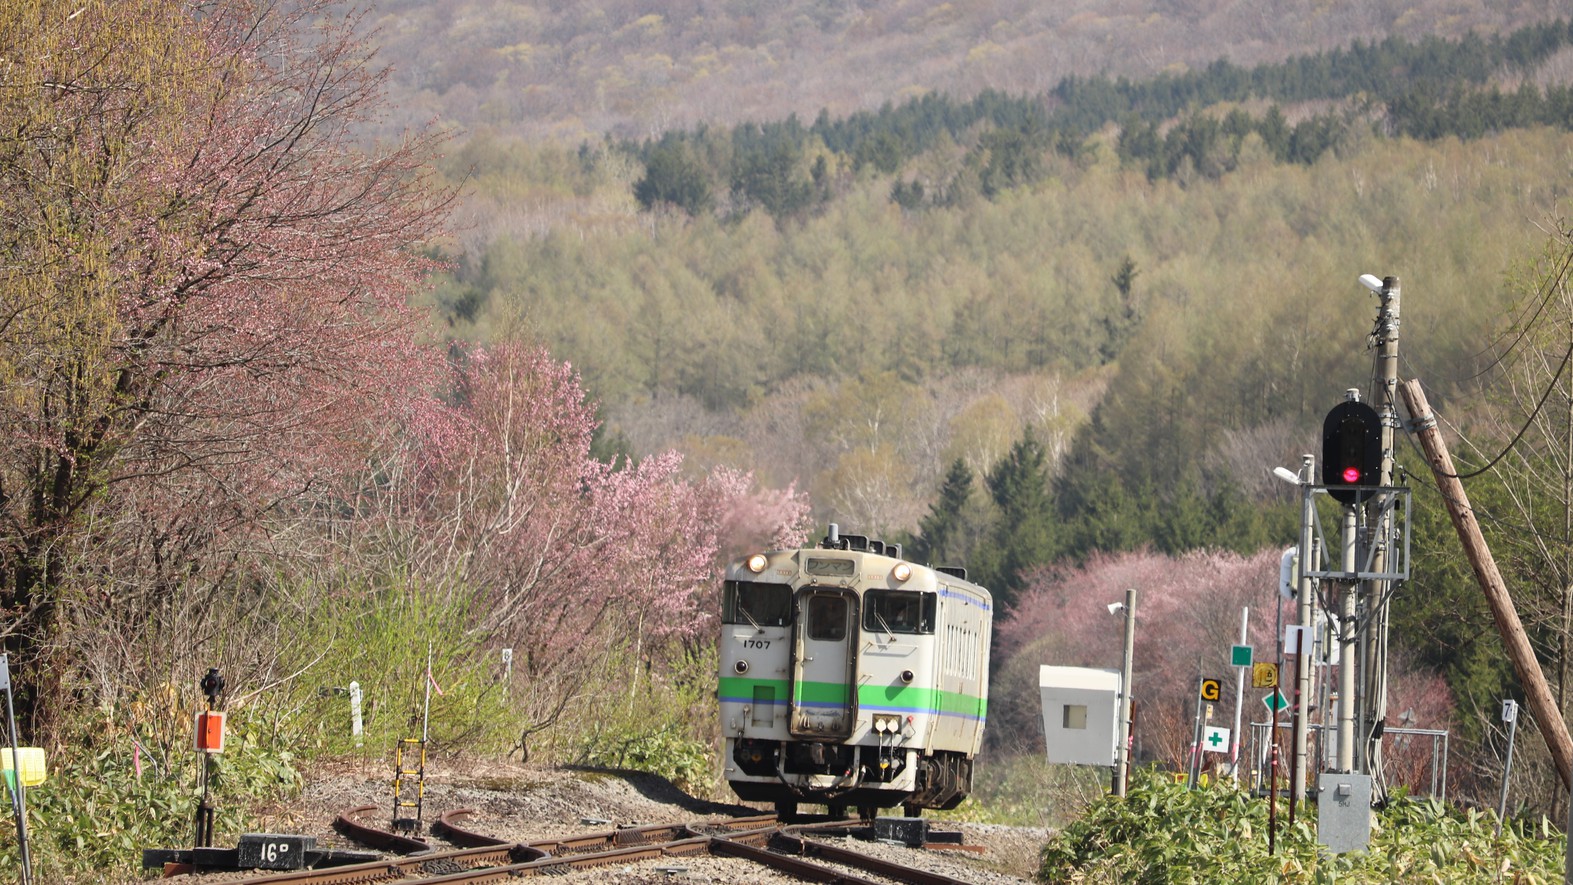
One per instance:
(944, 292)
(315, 411)
(566, 72)
(1026, 331)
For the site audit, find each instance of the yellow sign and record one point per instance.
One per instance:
(1264, 675)
(1210, 689)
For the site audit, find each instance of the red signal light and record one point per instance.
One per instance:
(1351, 450)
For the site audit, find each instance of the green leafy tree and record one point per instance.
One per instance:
(1181, 521)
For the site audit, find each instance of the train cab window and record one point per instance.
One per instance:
(899, 611)
(761, 605)
(827, 618)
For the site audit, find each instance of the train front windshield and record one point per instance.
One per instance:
(899, 611)
(751, 602)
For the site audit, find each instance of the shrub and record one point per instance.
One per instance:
(1163, 833)
(95, 814)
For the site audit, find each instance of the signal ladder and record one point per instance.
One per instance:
(402, 788)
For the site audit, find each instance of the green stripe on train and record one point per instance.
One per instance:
(903, 698)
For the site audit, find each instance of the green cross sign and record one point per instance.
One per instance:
(1216, 740)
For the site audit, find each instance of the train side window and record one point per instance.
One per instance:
(827, 618)
(899, 611)
(761, 605)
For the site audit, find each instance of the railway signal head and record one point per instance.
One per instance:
(1351, 451)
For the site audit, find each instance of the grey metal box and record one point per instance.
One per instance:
(1343, 814)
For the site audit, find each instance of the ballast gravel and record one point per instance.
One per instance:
(526, 803)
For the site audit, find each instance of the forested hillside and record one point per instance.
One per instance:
(574, 71)
(856, 305)
(1026, 331)
(1047, 292)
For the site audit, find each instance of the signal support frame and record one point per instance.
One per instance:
(1387, 527)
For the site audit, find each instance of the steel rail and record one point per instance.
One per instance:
(848, 857)
(448, 828)
(786, 863)
(498, 861)
(399, 868)
(349, 825)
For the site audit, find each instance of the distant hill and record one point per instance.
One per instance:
(573, 71)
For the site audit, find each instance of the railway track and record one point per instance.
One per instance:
(763, 840)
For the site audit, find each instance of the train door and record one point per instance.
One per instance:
(824, 664)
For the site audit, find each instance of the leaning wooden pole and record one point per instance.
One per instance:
(1537, 692)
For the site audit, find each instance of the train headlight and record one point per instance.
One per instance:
(907, 676)
(757, 563)
(901, 572)
(740, 666)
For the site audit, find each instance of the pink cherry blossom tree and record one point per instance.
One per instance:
(575, 562)
(1188, 619)
(205, 283)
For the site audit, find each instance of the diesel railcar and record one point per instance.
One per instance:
(851, 677)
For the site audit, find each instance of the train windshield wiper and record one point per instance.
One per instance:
(874, 610)
(742, 609)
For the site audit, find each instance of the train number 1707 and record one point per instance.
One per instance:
(756, 643)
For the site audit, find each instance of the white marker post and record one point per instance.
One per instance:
(355, 718)
(1241, 657)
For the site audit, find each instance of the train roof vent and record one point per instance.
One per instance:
(954, 571)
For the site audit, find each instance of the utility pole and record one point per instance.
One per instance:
(1537, 692)
(1304, 598)
(1377, 596)
(1122, 752)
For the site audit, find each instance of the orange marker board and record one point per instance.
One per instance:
(210, 732)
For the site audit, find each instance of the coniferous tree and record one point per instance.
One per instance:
(937, 538)
(1025, 535)
(1180, 522)
(675, 176)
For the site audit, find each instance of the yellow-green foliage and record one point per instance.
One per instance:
(95, 814)
(1163, 833)
(664, 724)
(381, 635)
(1244, 309)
